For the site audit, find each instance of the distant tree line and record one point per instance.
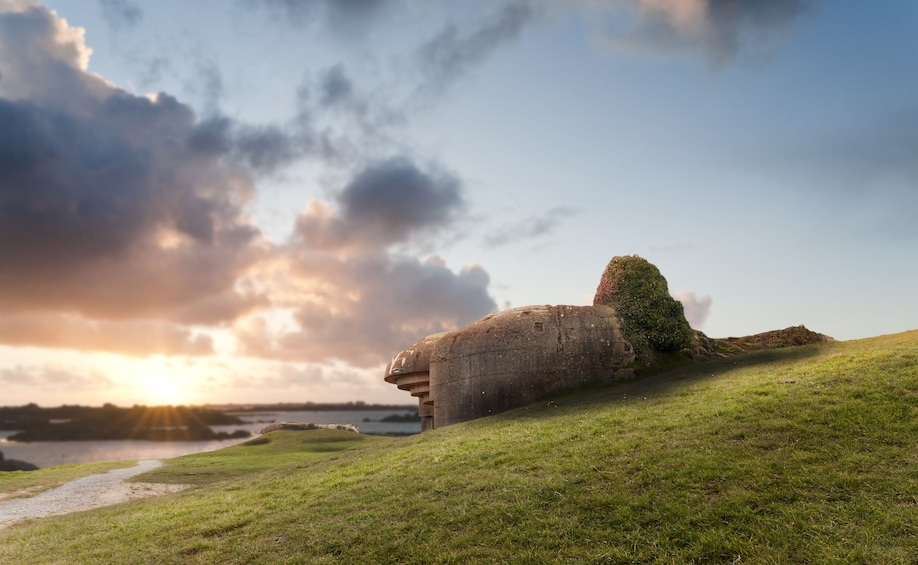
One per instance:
(81, 423)
(309, 406)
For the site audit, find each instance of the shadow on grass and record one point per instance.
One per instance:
(661, 383)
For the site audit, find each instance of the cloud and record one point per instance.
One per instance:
(342, 122)
(208, 83)
(137, 338)
(344, 18)
(121, 14)
(150, 70)
(286, 376)
(347, 120)
(123, 224)
(364, 309)
(42, 58)
(392, 201)
(260, 149)
(335, 86)
(529, 228)
(107, 210)
(280, 376)
(449, 55)
(696, 308)
(54, 378)
(721, 28)
(352, 295)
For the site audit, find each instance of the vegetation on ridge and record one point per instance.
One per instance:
(796, 455)
(652, 320)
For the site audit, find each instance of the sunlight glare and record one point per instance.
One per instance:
(161, 389)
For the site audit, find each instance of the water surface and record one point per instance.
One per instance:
(51, 453)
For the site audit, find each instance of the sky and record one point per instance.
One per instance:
(265, 200)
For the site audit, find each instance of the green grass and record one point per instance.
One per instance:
(277, 449)
(803, 455)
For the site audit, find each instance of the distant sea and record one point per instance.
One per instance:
(51, 453)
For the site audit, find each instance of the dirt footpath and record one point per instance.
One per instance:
(93, 491)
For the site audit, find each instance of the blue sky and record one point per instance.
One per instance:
(263, 200)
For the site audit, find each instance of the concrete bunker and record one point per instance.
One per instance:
(510, 359)
(518, 356)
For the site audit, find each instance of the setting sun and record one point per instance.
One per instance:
(161, 388)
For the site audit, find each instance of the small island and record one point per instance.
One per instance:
(109, 422)
(406, 418)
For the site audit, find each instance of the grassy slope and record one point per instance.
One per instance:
(804, 455)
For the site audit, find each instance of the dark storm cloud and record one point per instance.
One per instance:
(67, 184)
(390, 202)
(395, 198)
(106, 212)
(94, 201)
(529, 228)
(121, 14)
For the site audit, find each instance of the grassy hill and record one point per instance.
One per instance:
(800, 455)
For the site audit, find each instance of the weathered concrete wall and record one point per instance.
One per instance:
(510, 359)
(518, 356)
(410, 370)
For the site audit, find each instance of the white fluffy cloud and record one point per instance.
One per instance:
(696, 308)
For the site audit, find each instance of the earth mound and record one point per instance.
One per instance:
(713, 348)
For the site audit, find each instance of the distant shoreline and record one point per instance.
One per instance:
(255, 407)
(186, 424)
(307, 407)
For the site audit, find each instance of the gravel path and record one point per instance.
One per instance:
(82, 494)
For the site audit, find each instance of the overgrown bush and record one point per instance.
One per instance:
(652, 320)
